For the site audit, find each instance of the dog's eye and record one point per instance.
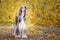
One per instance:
(25, 8)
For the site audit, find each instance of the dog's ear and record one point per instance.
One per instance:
(20, 11)
(25, 7)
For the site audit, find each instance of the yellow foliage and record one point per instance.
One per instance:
(42, 12)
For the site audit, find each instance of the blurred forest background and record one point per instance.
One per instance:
(40, 12)
(42, 19)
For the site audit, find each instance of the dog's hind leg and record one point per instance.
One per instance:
(14, 32)
(17, 33)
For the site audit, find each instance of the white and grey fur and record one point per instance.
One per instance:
(20, 25)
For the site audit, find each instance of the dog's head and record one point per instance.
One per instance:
(23, 8)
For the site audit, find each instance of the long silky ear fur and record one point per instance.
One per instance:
(26, 8)
(20, 11)
(16, 21)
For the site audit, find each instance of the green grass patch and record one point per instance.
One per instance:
(6, 22)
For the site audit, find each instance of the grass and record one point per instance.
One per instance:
(33, 33)
(6, 22)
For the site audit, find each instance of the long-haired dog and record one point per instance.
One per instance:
(20, 25)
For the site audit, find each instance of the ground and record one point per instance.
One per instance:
(38, 33)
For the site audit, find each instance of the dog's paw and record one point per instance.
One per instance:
(24, 36)
(17, 36)
(13, 34)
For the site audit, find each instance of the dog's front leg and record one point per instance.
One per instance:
(24, 34)
(24, 31)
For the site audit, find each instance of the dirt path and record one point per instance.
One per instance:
(44, 33)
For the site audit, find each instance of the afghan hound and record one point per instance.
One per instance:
(20, 25)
